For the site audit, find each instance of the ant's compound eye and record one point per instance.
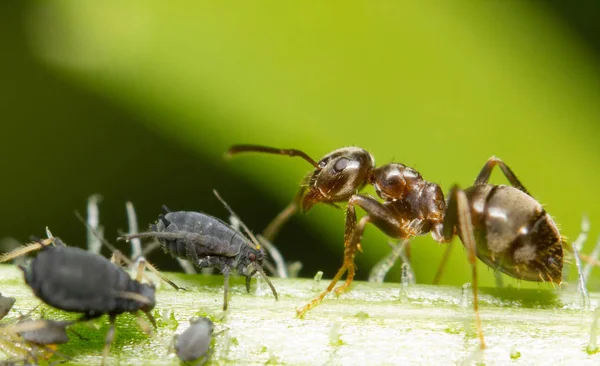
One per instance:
(341, 164)
(252, 257)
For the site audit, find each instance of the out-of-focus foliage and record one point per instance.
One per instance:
(438, 86)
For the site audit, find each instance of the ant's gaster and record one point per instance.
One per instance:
(503, 226)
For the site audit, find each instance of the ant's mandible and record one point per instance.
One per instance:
(503, 226)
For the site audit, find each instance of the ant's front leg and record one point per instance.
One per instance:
(458, 219)
(380, 216)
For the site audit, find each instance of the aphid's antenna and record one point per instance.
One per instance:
(235, 149)
(125, 259)
(263, 275)
(248, 232)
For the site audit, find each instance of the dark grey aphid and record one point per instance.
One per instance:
(194, 342)
(74, 280)
(6, 303)
(206, 241)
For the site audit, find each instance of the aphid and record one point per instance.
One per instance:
(194, 342)
(75, 280)
(6, 303)
(207, 241)
(504, 226)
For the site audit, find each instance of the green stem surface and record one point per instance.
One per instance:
(373, 324)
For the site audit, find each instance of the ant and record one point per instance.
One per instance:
(503, 226)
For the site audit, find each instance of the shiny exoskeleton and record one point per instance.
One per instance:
(504, 226)
(75, 280)
(206, 241)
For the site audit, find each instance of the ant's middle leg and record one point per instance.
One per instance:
(458, 215)
(486, 171)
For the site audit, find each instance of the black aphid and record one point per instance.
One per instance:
(206, 241)
(74, 280)
(194, 342)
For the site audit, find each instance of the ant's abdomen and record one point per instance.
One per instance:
(514, 234)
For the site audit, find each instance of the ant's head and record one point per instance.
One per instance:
(338, 175)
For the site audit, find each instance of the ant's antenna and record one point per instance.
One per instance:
(235, 149)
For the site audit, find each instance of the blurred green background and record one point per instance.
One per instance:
(138, 100)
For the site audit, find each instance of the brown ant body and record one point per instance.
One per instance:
(504, 226)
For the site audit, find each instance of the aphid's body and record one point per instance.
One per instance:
(214, 240)
(194, 342)
(208, 242)
(501, 225)
(75, 280)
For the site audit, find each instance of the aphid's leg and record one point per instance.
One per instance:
(110, 335)
(190, 252)
(458, 215)
(144, 326)
(248, 279)
(442, 265)
(484, 174)
(225, 270)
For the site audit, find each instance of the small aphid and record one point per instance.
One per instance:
(209, 242)
(6, 303)
(194, 343)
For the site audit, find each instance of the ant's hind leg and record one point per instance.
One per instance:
(486, 171)
(458, 214)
